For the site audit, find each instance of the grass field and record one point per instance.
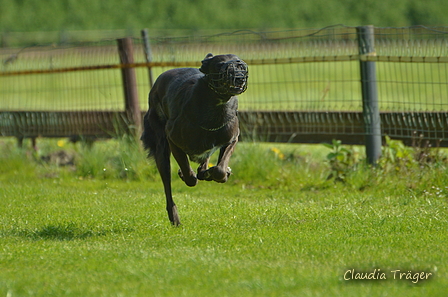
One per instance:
(277, 228)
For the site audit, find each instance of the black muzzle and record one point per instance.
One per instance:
(231, 78)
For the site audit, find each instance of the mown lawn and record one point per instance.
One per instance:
(289, 233)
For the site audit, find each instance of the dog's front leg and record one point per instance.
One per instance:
(186, 173)
(221, 172)
(203, 173)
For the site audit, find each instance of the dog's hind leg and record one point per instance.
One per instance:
(154, 139)
(186, 173)
(162, 158)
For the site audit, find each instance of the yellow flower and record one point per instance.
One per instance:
(61, 143)
(275, 150)
(278, 153)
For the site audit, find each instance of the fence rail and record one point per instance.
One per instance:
(304, 86)
(269, 126)
(253, 62)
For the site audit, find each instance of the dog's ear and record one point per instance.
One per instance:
(205, 63)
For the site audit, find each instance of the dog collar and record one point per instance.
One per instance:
(213, 129)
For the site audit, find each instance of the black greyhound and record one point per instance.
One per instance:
(193, 112)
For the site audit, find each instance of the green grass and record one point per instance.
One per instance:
(277, 228)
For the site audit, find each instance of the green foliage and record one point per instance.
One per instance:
(48, 15)
(124, 159)
(342, 160)
(396, 156)
(411, 164)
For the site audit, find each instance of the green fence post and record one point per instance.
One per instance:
(371, 112)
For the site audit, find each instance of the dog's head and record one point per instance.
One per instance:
(226, 74)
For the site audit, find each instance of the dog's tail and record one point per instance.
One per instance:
(148, 136)
(153, 135)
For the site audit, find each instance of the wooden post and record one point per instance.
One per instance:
(371, 113)
(148, 54)
(132, 105)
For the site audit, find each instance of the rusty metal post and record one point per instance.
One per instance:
(370, 106)
(132, 105)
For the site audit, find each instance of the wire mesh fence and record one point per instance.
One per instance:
(304, 85)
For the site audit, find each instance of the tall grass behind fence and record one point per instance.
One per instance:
(421, 83)
(274, 85)
(68, 90)
(279, 78)
(304, 85)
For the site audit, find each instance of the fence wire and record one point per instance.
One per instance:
(304, 85)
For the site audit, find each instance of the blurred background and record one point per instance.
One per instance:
(62, 71)
(64, 17)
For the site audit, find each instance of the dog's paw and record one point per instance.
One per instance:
(204, 175)
(215, 173)
(229, 171)
(190, 180)
(174, 216)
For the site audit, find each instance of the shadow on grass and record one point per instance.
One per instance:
(63, 233)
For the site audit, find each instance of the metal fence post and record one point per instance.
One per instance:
(148, 54)
(371, 113)
(132, 105)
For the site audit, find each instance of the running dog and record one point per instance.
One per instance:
(192, 113)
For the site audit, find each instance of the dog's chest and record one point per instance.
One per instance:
(201, 148)
(200, 158)
(199, 144)
(191, 137)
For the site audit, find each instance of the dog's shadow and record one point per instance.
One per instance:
(62, 232)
